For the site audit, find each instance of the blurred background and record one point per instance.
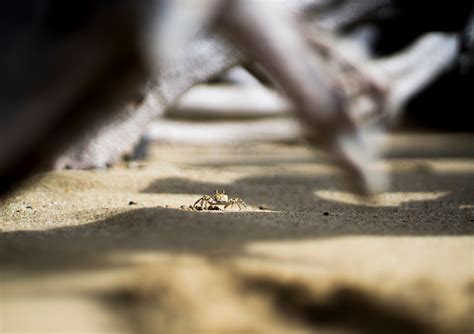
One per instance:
(105, 235)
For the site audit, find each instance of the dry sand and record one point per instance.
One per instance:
(111, 250)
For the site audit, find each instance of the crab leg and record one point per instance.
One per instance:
(202, 201)
(196, 203)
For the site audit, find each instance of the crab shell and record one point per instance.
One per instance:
(221, 198)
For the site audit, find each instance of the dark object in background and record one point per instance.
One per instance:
(406, 20)
(72, 66)
(446, 104)
(61, 62)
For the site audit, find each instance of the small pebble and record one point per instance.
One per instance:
(326, 213)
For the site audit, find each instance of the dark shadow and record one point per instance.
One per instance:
(298, 214)
(346, 308)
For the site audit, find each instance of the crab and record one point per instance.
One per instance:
(214, 202)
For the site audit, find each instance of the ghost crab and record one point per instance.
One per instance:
(214, 202)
